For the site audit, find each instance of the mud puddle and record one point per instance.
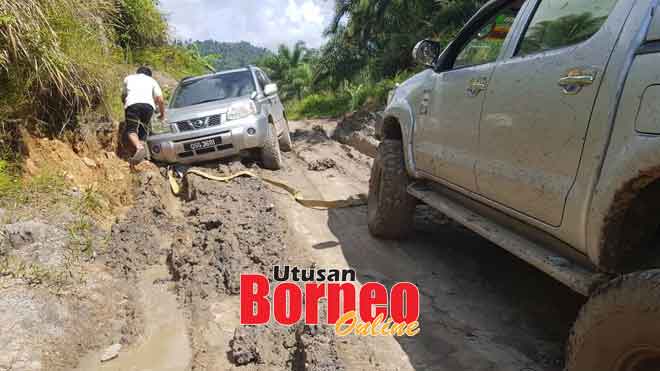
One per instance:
(164, 345)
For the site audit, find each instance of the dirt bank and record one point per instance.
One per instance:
(56, 300)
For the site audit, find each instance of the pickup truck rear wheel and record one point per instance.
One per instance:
(619, 327)
(270, 153)
(286, 144)
(391, 208)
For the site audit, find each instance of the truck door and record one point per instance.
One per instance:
(539, 104)
(447, 134)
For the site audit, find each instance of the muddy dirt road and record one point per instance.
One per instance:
(481, 309)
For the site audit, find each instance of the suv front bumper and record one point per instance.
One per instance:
(230, 139)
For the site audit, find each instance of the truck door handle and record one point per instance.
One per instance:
(575, 79)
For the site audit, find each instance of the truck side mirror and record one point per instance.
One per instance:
(653, 33)
(426, 52)
(270, 89)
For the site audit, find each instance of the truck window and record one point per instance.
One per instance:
(485, 45)
(560, 23)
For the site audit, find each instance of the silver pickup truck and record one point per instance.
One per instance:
(538, 128)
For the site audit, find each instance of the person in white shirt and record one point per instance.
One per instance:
(141, 95)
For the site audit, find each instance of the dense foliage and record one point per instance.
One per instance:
(368, 51)
(231, 55)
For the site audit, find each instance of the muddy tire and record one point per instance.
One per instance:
(286, 144)
(619, 327)
(270, 153)
(391, 208)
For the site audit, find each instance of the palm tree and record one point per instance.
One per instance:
(291, 68)
(563, 31)
(292, 57)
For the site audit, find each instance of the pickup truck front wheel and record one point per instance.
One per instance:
(391, 208)
(619, 327)
(271, 156)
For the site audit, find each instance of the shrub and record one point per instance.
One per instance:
(324, 104)
(177, 61)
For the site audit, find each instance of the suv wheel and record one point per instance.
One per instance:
(391, 208)
(286, 144)
(270, 153)
(618, 327)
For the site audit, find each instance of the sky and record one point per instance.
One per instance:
(265, 23)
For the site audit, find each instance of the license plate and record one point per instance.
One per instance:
(202, 144)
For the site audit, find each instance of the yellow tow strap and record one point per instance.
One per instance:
(359, 200)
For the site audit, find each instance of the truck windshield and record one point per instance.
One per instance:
(213, 88)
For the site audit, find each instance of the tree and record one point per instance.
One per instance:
(291, 68)
(566, 30)
(382, 33)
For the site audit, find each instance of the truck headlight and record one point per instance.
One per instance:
(241, 110)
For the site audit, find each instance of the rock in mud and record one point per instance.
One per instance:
(35, 242)
(26, 233)
(322, 164)
(111, 353)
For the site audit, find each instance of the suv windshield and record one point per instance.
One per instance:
(213, 88)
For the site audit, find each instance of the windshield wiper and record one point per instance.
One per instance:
(207, 101)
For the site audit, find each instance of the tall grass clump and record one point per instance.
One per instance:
(54, 57)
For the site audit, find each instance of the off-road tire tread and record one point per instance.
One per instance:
(286, 145)
(270, 153)
(634, 293)
(393, 218)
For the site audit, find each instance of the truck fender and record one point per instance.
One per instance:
(399, 116)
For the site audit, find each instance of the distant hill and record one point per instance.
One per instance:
(234, 55)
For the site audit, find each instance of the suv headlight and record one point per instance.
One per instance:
(159, 127)
(241, 110)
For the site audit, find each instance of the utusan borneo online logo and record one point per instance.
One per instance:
(332, 297)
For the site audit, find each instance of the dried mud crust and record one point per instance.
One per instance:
(143, 236)
(234, 228)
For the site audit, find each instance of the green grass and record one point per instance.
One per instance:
(319, 105)
(351, 96)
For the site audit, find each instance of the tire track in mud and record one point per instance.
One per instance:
(234, 228)
(206, 240)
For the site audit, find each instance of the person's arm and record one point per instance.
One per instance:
(160, 102)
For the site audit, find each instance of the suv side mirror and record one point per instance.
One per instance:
(270, 89)
(426, 52)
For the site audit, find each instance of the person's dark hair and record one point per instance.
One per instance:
(144, 70)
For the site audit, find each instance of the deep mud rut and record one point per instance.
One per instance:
(481, 309)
